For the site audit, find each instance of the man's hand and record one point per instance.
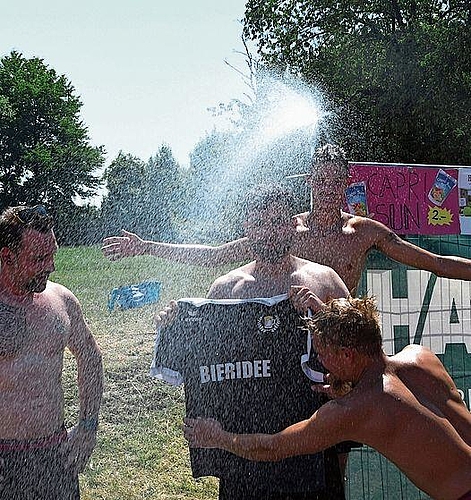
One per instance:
(304, 300)
(79, 447)
(166, 317)
(299, 222)
(202, 432)
(127, 245)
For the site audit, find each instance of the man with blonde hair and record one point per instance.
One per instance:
(397, 404)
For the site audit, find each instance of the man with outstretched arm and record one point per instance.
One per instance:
(326, 234)
(39, 458)
(406, 406)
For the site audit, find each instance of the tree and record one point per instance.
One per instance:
(162, 195)
(143, 197)
(398, 73)
(213, 188)
(45, 156)
(122, 206)
(82, 226)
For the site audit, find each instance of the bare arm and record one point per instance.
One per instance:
(337, 288)
(407, 253)
(82, 438)
(319, 284)
(131, 245)
(89, 363)
(324, 429)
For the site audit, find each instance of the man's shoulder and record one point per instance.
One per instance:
(366, 229)
(414, 354)
(353, 408)
(56, 289)
(236, 274)
(223, 286)
(310, 267)
(362, 223)
(321, 279)
(57, 293)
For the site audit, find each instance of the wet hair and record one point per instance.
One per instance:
(14, 221)
(330, 153)
(264, 196)
(348, 322)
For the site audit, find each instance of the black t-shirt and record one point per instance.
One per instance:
(240, 361)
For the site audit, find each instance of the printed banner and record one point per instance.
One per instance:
(464, 185)
(409, 199)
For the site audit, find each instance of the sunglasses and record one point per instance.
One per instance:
(29, 214)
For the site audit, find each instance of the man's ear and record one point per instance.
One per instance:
(6, 255)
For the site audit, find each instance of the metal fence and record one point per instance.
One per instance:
(416, 307)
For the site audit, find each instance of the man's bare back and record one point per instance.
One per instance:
(410, 411)
(406, 406)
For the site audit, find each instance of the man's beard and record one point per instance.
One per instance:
(269, 254)
(37, 284)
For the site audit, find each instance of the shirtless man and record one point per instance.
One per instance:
(406, 406)
(275, 269)
(39, 459)
(275, 272)
(326, 235)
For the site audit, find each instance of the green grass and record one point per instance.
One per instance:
(140, 452)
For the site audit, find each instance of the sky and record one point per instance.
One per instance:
(145, 70)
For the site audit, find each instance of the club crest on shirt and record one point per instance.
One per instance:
(268, 323)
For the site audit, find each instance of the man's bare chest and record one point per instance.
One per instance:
(345, 253)
(249, 289)
(32, 330)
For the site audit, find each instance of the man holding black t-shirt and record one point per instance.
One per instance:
(245, 381)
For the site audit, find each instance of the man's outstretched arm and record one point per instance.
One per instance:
(446, 266)
(322, 430)
(131, 245)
